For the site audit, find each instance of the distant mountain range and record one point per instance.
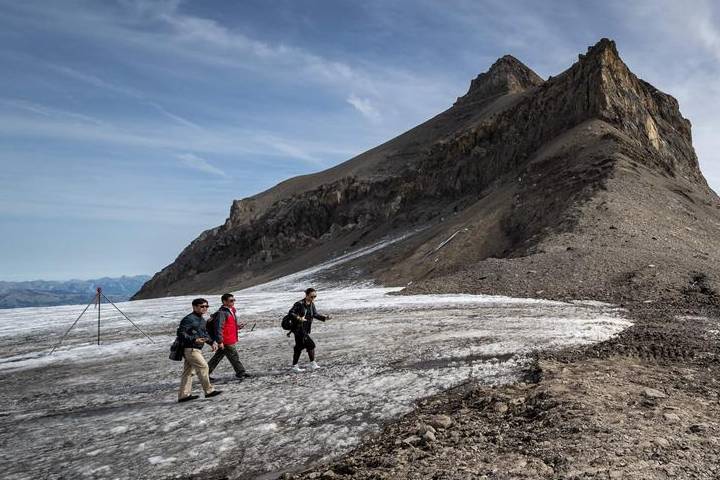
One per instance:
(42, 293)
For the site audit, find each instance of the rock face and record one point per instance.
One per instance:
(517, 170)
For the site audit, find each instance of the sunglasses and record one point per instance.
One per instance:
(313, 296)
(204, 306)
(230, 301)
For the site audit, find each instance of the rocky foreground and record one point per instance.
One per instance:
(643, 405)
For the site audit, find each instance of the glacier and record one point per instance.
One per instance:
(110, 411)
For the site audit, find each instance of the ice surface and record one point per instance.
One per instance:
(109, 411)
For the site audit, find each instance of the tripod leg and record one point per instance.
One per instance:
(126, 317)
(75, 322)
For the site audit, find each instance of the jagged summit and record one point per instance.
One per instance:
(506, 75)
(593, 160)
(614, 94)
(603, 49)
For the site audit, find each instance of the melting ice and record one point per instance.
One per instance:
(109, 411)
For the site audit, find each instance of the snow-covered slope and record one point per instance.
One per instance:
(109, 411)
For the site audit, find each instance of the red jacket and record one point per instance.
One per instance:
(227, 325)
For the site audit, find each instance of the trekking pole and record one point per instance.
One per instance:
(74, 323)
(249, 331)
(126, 317)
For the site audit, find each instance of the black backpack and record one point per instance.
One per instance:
(176, 350)
(211, 324)
(288, 322)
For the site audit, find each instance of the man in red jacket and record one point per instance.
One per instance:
(225, 333)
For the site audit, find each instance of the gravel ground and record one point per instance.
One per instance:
(642, 405)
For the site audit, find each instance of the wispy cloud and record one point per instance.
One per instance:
(262, 145)
(204, 41)
(200, 164)
(293, 150)
(94, 80)
(700, 24)
(209, 41)
(47, 111)
(116, 88)
(364, 106)
(175, 117)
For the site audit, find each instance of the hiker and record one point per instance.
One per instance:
(304, 312)
(223, 327)
(193, 336)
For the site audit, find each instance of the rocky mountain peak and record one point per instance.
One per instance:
(604, 50)
(606, 89)
(603, 71)
(506, 75)
(511, 165)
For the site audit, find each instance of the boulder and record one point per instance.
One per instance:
(653, 394)
(440, 421)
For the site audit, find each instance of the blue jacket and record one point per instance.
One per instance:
(191, 328)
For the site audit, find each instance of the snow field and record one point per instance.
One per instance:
(107, 411)
(110, 411)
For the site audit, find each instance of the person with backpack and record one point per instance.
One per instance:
(223, 328)
(193, 336)
(303, 313)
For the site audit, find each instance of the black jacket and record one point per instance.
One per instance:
(191, 328)
(308, 312)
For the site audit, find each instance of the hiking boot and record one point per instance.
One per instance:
(297, 369)
(212, 379)
(314, 366)
(188, 398)
(214, 393)
(242, 376)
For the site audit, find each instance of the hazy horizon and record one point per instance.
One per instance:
(75, 279)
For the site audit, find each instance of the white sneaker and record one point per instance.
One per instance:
(314, 366)
(297, 369)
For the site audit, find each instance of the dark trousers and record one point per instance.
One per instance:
(302, 342)
(231, 353)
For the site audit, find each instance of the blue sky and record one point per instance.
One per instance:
(129, 126)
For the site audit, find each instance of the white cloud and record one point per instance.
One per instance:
(364, 106)
(197, 163)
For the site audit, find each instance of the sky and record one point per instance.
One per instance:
(127, 127)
